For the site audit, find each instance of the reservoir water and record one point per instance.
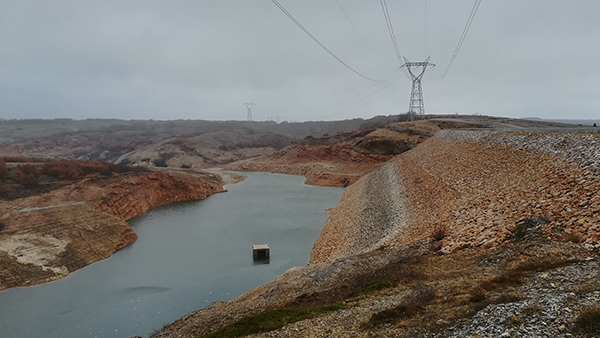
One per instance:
(188, 255)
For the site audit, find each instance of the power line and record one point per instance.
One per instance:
(384, 94)
(463, 35)
(380, 96)
(317, 41)
(388, 21)
(343, 105)
(364, 91)
(425, 28)
(358, 32)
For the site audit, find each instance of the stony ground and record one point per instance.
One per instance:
(481, 191)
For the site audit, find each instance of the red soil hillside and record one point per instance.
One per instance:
(341, 159)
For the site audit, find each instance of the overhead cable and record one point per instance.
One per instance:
(388, 21)
(317, 41)
(463, 35)
(346, 104)
(357, 31)
(353, 107)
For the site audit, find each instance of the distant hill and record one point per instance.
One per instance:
(577, 122)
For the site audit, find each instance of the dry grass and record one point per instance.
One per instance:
(270, 320)
(410, 305)
(514, 321)
(530, 310)
(440, 231)
(588, 321)
(572, 237)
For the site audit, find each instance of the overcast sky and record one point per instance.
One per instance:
(199, 59)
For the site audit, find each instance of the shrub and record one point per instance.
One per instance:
(409, 306)
(520, 232)
(3, 189)
(513, 321)
(72, 170)
(572, 237)
(530, 310)
(28, 180)
(523, 225)
(588, 321)
(436, 246)
(501, 299)
(19, 159)
(477, 296)
(100, 167)
(439, 232)
(380, 285)
(63, 170)
(3, 168)
(27, 169)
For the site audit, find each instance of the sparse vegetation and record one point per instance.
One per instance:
(26, 175)
(162, 161)
(27, 169)
(271, 319)
(501, 299)
(519, 232)
(516, 276)
(588, 321)
(3, 168)
(523, 225)
(379, 285)
(572, 237)
(439, 232)
(410, 305)
(20, 159)
(477, 296)
(72, 170)
(532, 309)
(514, 321)
(3, 189)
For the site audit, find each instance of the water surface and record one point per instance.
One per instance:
(188, 255)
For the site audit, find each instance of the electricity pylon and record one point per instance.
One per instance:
(249, 106)
(416, 106)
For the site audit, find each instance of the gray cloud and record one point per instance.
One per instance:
(202, 59)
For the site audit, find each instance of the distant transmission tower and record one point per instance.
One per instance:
(416, 106)
(249, 105)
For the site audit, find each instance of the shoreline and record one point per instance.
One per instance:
(82, 223)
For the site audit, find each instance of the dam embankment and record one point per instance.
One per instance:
(476, 187)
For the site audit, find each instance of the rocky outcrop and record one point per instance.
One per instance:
(46, 237)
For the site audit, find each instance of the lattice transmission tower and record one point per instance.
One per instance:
(416, 106)
(249, 105)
